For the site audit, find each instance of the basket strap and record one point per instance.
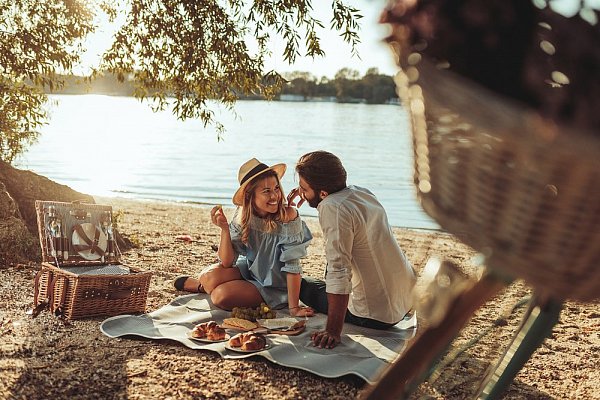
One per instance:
(113, 293)
(90, 245)
(38, 306)
(52, 282)
(122, 293)
(56, 308)
(36, 287)
(63, 296)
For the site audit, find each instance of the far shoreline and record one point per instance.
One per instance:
(99, 199)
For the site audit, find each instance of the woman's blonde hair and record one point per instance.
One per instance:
(247, 207)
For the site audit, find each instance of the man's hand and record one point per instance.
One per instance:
(324, 339)
(336, 312)
(292, 196)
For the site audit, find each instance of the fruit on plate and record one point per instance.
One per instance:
(263, 311)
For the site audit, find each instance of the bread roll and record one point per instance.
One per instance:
(248, 341)
(235, 341)
(209, 330)
(215, 333)
(211, 325)
(254, 342)
(199, 331)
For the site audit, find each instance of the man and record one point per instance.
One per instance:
(368, 280)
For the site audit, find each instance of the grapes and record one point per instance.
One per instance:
(263, 311)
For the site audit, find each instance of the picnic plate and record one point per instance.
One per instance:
(261, 329)
(86, 251)
(281, 326)
(205, 340)
(239, 349)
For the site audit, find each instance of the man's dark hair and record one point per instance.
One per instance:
(322, 171)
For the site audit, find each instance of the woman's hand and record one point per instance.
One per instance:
(324, 339)
(217, 216)
(302, 311)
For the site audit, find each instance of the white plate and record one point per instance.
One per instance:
(239, 349)
(90, 232)
(205, 340)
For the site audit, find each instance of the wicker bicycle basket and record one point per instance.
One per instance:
(523, 191)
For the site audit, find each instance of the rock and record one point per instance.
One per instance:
(18, 220)
(26, 187)
(8, 206)
(17, 244)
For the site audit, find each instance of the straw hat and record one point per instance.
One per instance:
(250, 170)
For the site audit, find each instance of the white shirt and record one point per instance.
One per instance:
(364, 259)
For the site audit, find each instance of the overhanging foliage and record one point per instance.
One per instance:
(180, 53)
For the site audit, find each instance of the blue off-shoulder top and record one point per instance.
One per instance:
(269, 256)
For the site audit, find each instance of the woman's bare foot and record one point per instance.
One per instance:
(302, 311)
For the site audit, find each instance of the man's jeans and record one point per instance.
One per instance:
(313, 294)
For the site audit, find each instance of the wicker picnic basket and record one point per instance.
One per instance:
(523, 191)
(81, 275)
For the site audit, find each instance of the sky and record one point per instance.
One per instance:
(372, 51)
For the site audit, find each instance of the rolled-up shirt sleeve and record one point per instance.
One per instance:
(337, 231)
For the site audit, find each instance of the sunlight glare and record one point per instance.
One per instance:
(98, 42)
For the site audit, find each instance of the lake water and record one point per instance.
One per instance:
(117, 146)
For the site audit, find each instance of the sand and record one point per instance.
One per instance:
(47, 357)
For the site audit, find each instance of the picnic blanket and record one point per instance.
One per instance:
(362, 352)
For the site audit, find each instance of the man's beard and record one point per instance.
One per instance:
(314, 202)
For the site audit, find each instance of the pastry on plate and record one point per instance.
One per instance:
(208, 330)
(255, 341)
(248, 341)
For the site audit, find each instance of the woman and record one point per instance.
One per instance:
(260, 251)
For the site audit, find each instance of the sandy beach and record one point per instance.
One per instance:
(46, 357)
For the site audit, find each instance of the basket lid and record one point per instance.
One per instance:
(76, 233)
